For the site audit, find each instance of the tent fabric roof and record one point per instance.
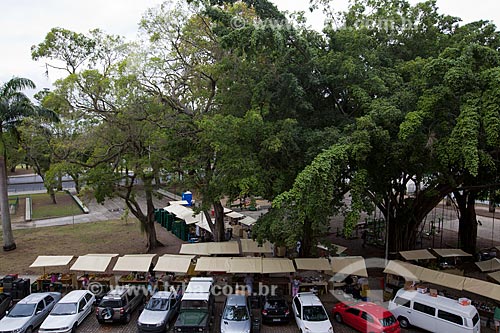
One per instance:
(245, 265)
(451, 253)
(196, 248)
(349, 265)
(184, 213)
(277, 265)
(92, 263)
(47, 261)
(203, 223)
(408, 271)
(235, 215)
(340, 248)
(212, 264)
(480, 287)
(312, 264)
(442, 279)
(248, 221)
(223, 248)
(417, 254)
(179, 202)
(495, 276)
(489, 265)
(173, 263)
(251, 246)
(133, 263)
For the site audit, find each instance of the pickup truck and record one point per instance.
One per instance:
(196, 312)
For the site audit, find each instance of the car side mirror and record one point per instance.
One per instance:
(38, 312)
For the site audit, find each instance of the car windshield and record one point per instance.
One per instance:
(315, 313)
(275, 304)
(110, 303)
(194, 304)
(22, 310)
(157, 304)
(235, 313)
(63, 309)
(388, 321)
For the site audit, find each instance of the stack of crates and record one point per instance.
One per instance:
(180, 229)
(164, 218)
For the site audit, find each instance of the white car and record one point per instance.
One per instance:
(69, 312)
(310, 314)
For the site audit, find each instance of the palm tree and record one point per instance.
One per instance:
(14, 106)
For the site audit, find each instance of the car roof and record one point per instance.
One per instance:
(74, 296)
(162, 294)
(199, 287)
(35, 298)
(371, 308)
(440, 302)
(309, 299)
(238, 300)
(196, 296)
(116, 292)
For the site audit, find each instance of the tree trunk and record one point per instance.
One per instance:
(307, 239)
(402, 234)
(491, 205)
(149, 223)
(8, 236)
(218, 229)
(52, 194)
(467, 222)
(59, 181)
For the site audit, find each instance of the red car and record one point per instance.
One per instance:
(366, 317)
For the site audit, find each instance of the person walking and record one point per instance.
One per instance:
(295, 286)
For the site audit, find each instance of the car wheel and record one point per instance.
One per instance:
(73, 330)
(403, 322)
(29, 330)
(337, 317)
(127, 318)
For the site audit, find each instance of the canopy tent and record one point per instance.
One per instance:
(202, 222)
(196, 248)
(227, 210)
(212, 264)
(446, 253)
(173, 263)
(134, 263)
(408, 271)
(179, 202)
(489, 265)
(245, 265)
(251, 246)
(442, 279)
(223, 248)
(495, 276)
(417, 255)
(480, 287)
(92, 263)
(312, 264)
(183, 213)
(349, 265)
(340, 248)
(277, 265)
(248, 221)
(235, 215)
(49, 261)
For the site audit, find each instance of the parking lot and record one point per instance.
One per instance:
(90, 325)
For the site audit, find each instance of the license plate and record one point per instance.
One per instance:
(276, 320)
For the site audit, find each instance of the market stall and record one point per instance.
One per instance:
(212, 264)
(449, 258)
(55, 280)
(196, 249)
(251, 246)
(489, 265)
(137, 264)
(175, 269)
(349, 265)
(417, 255)
(96, 265)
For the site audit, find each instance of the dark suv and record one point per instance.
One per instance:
(118, 304)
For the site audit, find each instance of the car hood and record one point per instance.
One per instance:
(192, 318)
(152, 317)
(318, 326)
(12, 323)
(228, 326)
(58, 321)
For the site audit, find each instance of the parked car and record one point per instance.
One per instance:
(275, 310)
(6, 303)
(236, 315)
(310, 314)
(29, 312)
(158, 313)
(366, 317)
(69, 312)
(197, 308)
(118, 304)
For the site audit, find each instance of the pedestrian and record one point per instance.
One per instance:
(295, 286)
(249, 284)
(85, 281)
(299, 244)
(364, 235)
(496, 317)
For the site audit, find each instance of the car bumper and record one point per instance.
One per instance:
(54, 330)
(150, 329)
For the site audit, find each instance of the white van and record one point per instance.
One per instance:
(434, 313)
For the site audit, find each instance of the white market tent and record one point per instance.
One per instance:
(349, 265)
(200, 249)
(134, 263)
(277, 265)
(183, 213)
(235, 215)
(483, 288)
(408, 271)
(173, 263)
(49, 261)
(223, 248)
(312, 264)
(442, 279)
(245, 265)
(447, 253)
(417, 255)
(251, 246)
(179, 202)
(340, 248)
(495, 276)
(249, 221)
(93, 263)
(212, 264)
(489, 265)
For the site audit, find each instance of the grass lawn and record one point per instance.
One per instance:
(44, 208)
(79, 239)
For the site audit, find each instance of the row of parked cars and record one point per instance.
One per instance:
(194, 311)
